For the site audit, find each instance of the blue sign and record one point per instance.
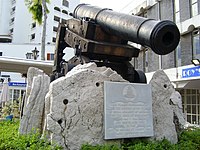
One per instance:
(17, 84)
(191, 72)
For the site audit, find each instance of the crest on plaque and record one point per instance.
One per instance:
(129, 93)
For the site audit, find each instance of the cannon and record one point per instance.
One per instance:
(104, 36)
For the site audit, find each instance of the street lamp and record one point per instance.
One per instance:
(35, 53)
(196, 62)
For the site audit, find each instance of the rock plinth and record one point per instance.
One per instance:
(75, 114)
(168, 117)
(33, 109)
(72, 112)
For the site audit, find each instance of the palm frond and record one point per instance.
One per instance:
(35, 8)
(36, 11)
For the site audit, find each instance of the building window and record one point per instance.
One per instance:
(65, 3)
(32, 36)
(11, 31)
(50, 56)
(33, 25)
(194, 7)
(12, 20)
(12, 11)
(178, 55)
(196, 44)
(1, 53)
(56, 19)
(191, 105)
(64, 12)
(55, 29)
(177, 11)
(54, 39)
(56, 8)
(64, 21)
(16, 95)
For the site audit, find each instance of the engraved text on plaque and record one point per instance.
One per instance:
(127, 110)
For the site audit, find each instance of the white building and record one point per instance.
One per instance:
(184, 75)
(20, 34)
(17, 25)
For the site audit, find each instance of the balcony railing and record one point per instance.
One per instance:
(13, 2)
(11, 23)
(12, 12)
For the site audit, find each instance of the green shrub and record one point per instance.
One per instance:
(150, 145)
(188, 140)
(10, 139)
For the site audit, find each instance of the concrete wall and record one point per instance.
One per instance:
(23, 20)
(20, 50)
(21, 24)
(4, 17)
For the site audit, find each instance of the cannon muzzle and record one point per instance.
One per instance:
(161, 36)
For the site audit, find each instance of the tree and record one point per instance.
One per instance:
(39, 11)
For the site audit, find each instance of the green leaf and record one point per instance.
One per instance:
(36, 9)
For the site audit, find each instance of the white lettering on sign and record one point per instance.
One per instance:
(191, 72)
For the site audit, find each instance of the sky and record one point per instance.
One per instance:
(116, 5)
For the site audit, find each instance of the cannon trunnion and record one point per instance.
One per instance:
(102, 36)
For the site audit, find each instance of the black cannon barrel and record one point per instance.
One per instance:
(161, 36)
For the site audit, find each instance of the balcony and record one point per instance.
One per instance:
(5, 38)
(12, 11)
(11, 31)
(12, 21)
(13, 2)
